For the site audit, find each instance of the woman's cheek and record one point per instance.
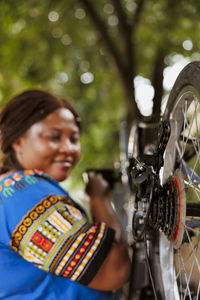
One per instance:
(45, 148)
(78, 151)
(53, 145)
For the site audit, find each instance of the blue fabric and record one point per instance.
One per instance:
(20, 279)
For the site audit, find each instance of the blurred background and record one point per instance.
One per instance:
(114, 60)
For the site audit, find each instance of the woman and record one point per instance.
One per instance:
(48, 249)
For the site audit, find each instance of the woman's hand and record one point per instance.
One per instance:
(116, 268)
(97, 187)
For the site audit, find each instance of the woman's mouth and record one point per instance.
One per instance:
(64, 163)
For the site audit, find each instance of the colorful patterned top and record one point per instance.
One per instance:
(48, 250)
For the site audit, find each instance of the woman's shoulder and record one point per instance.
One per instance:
(15, 183)
(18, 175)
(21, 178)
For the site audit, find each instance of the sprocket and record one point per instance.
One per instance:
(168, 211)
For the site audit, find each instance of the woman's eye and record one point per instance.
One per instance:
(75, 139)
(55, 137)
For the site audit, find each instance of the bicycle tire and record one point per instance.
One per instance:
(179, 269)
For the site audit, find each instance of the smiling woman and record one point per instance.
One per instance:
(48, 249)
(56, 146)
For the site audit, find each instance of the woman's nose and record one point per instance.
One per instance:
(66, 146)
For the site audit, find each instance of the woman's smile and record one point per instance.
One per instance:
(66, 163)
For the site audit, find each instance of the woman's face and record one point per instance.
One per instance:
(51, 145)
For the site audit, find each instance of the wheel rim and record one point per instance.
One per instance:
(181, 267)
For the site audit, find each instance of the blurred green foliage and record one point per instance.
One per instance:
(51, 44)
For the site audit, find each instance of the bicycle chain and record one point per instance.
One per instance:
(163, 137)
(165, 206)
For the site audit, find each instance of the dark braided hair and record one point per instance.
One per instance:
(19, 114)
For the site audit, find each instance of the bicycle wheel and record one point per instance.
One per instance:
(179, 258)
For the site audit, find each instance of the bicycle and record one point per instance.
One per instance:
(161, 169)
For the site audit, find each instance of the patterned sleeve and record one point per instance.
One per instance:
(56, 236)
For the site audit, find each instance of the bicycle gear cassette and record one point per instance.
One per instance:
(168, 212)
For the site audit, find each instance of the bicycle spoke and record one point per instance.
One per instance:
(194, 230)
(185, 276)
(184, 128)
(194, 188)
(189, 136)
(188, 171)
(186, 273)
(190, 127)
(193, 251)
(196, 162)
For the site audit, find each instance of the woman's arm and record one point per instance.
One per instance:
(115, 270)
(53, 234)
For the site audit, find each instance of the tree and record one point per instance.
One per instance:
(138, 20)
(55, 44)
